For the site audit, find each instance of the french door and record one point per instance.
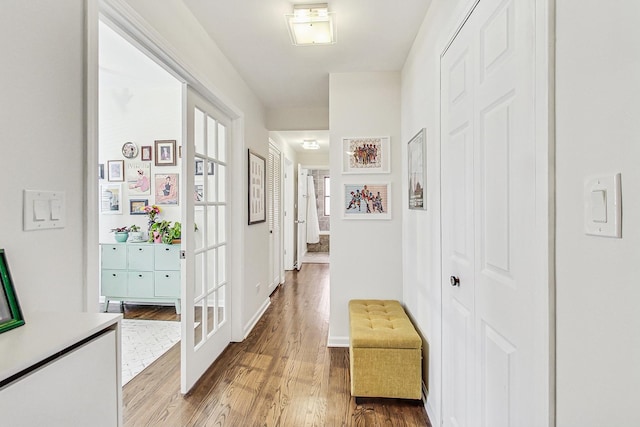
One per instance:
(493, 325)
(206, 295)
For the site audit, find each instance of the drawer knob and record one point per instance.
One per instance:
(139, 275)
(114, 274)
(166, 249)
(115, 249)
(139, 249)
(166, 275)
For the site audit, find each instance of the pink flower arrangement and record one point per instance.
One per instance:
(152, 211)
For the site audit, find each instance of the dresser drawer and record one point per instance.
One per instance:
(114, 283)
(167, 284)
(140, 284)
(167, 257)
(114, 257)
(140, 257)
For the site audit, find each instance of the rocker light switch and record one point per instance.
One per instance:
(599, 206)
(43, 210)
(602, 206)
(40, 210)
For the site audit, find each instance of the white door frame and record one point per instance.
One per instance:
(288, 215)
(544, 89)
(299, 257)
(124, 19)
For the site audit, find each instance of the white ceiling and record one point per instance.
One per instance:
(373, 35)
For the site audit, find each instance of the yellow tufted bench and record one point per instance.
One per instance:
(385, 351)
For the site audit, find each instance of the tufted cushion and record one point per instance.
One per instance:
(381, 324)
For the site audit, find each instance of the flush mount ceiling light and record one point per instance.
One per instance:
(311, 24)
(310, 144)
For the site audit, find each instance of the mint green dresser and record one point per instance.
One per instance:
(140, 272)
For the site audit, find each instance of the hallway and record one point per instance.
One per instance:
(281, 375)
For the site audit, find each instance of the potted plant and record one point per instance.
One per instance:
(135, 235)
(158, 230)
(121, 234)
(173, 234)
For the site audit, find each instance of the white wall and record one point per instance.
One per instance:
(598, 290)
(366, 255)
(190, 42)
(421, 229)
(42, 139)
(149, 114)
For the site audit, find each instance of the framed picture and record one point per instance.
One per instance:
(199, 192)
(139, 178)
(167, 190)
(136, 206)
(10, 313)
(366, 155)
(257, 193)
(115, 170)
(367, 201)
(129, 150)
(101, 171)
(111, 198)
(145, 153)
(200, 167)
(416, 152)
(165, 152)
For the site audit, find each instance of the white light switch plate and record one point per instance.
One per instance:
(602, 206)
(43, 210)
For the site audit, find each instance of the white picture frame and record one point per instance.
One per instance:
(111, 199)
(368, 155)
(417, 170)
(366, 200)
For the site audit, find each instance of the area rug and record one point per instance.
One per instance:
(143, 341)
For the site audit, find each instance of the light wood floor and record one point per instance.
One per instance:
(281, 375)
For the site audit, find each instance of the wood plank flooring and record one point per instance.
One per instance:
(281, 375)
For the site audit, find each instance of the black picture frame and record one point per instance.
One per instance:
(10, 313)
(199, 167)
(256, 190)
(136, 206)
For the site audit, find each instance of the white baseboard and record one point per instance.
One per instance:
(338, 342)
(252, 323)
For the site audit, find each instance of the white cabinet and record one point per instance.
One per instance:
(140, 272)
(61, 369)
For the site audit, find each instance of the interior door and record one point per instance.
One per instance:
(301, 220)
(289, 220)
(274, 185)
(494, 367)
(206, 295)
(457, 232)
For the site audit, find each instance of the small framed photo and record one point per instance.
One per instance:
(10, 313)
(165, 152)
(167, 191)
(136, 206)
(115, 170)
(366, 155)
(200, 167)
(417, 160)
(256, 190)
(145, 153)
(367, 201)
(111, 199)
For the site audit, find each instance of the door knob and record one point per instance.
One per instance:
(454, 280)
(300, 222)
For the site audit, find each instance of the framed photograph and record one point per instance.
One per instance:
(139, 178)
(10, 313)
(145, 153)
(167, 190)
(165, 152)
(366, 155)
(199, 192)
(200, 167)
(115, 170)
(417, 161)
(111, 199)
(257, 193)
(136, 206)
(367, 201)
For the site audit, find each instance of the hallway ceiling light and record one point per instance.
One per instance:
(311, 24)
(310, 144)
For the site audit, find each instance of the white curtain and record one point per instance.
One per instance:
(313, 226)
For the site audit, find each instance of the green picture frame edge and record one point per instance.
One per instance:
(8, 291)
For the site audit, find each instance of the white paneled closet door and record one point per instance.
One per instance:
(493, 363)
